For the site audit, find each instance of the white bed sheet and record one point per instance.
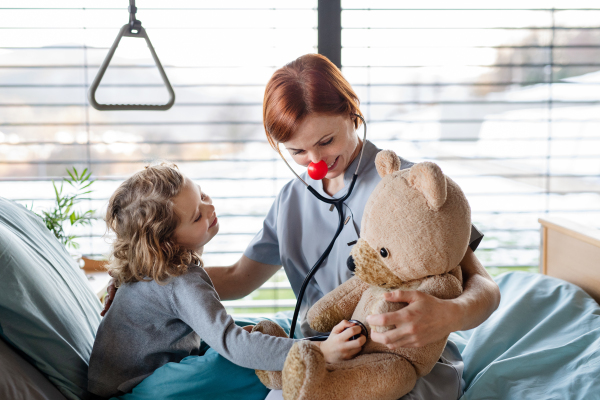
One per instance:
(275, 395)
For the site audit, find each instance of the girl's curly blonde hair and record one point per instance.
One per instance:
(141, 213)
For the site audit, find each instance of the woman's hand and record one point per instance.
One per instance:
(426, 319)
(338, 346)
(108, 299)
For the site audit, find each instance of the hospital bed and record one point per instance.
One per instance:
(543, 342)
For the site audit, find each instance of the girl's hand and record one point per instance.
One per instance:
(108, 299)
(338, 346)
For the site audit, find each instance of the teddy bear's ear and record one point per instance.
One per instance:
(428, 179)
(387, 162)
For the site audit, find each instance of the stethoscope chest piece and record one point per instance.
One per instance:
(363, 331)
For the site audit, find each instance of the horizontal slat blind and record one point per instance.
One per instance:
(218, 57)
(503, 95)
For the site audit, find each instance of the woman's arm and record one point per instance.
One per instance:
(428, 319)
(240, 279)
(480, 297)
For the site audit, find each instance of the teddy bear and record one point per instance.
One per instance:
(415, 231)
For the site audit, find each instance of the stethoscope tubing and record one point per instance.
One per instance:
(338, 204)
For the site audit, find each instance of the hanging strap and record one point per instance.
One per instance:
(132, 29)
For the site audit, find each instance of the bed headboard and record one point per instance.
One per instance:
(571, 251)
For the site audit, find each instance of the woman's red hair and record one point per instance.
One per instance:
(309, 84)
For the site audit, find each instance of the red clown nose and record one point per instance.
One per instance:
(317, 171)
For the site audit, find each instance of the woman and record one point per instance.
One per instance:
(310, 109)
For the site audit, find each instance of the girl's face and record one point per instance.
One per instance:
(198, 222)
(330, 138)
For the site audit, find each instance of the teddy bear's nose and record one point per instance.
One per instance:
(350, 264)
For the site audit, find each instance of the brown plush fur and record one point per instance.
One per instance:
(324, 315)
(423, 221)
(306, 375)
(271, 379)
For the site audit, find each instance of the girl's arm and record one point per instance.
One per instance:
(231, 283)
(428, 319)
(195, 302)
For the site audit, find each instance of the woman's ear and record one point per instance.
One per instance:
(355, 120)
(387, 162)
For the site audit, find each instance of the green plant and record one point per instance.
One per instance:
(63, 212)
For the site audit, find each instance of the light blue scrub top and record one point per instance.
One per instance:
(299, 227)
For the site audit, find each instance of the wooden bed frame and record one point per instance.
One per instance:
(571, 251)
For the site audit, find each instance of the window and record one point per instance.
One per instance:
(218, 57)
(503, 95)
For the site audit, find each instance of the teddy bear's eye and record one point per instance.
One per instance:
(384, 253)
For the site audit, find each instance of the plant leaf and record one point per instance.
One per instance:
(55, 190)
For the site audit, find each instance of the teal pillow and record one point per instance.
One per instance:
(209, 376)
(47, 309)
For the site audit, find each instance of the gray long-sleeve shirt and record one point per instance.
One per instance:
(149, 325)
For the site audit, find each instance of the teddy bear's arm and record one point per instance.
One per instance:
(382, 306)
(457, 272)
(337, 305)
(446, 286)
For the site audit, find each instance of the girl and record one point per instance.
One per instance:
(166, 303)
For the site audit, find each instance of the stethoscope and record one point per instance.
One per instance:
(338, 204)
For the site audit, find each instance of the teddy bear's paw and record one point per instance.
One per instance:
(271, 379)
(269, 328)
(304, 369)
